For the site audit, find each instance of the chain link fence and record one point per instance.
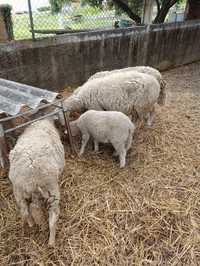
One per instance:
(41, 18)
(72, 17)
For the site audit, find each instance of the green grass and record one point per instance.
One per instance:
(46, 21)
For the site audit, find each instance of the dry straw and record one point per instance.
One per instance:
(145, 214)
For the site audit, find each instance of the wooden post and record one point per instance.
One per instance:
(6, 25)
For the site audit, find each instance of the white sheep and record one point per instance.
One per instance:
(105, 127)
(36, 162)
(130, 92)
(142, 69)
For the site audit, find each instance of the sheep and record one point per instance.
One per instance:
(142, 69)
(105, 127)
(130, 92)
(36, 162)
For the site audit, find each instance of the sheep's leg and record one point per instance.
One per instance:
(121, 151)
(24, 210)
(129, 141)
(53, 218)
(96, 146)
(150, 117)
(23, 206)
(122, 157)
(85, 138)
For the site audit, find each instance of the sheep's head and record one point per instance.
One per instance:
(73, 104)
(74, 129)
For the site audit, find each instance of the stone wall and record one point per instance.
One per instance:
(56, 62)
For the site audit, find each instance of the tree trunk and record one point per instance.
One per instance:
(193, 10)
(127, 10)
(162, 13)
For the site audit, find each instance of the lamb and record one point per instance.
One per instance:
(142, 69)
(36, 162)
(132, 93)
(105, 127)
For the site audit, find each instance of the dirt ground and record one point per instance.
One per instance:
(145, 214)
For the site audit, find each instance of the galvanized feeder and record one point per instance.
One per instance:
(16, 96)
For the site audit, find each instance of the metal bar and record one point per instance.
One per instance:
(31, 19)
(31, 111)
(32, 121)
(4, 161)
(67, 127)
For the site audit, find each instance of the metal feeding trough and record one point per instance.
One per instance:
(14, 98)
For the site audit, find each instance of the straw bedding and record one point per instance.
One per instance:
(145, 214)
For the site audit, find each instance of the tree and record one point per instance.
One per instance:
(192, 10)
(163, 7)
(132, 8)
(56, 5)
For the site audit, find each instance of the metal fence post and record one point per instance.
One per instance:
(31, 19)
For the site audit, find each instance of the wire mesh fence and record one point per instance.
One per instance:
(73, 16)
(63, 16)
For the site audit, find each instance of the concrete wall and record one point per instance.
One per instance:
(56, 62)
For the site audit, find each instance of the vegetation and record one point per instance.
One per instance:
(92, 18)
(44, 8)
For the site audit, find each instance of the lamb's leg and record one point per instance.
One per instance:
(121, 151)
(96, 146)
(85, 138)
(129, 141)
(122, 157)
(150, 118)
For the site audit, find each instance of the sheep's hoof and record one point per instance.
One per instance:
(30, 222)
(51, 243)
(122, 165)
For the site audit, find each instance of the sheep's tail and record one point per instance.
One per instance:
(162, 96)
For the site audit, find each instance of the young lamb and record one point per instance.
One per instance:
(142, 69)
(130, 92)
(36, 162)
(106, 127)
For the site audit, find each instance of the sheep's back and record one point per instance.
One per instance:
(37, 157)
